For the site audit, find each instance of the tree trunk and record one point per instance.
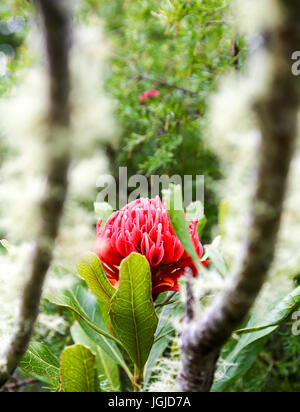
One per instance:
(202, 340)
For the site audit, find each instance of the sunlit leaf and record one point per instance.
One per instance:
(39, 361)
(90, 269)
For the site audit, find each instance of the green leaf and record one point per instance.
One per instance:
(165, 330)
(174, 203)
(132, 311)
(103, 211)
(238, 356)
(5, 244)
(107, 368)
(201, 226)
(212, 251)
(279, 314)
(69, 299)
(40, 362)
(91, 270)
(234, 367)
(87, 312)
(78, 370)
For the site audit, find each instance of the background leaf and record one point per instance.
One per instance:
(132, 312)
(237, 364)
(87, 312)
(279, 314)
(166, 316)
(78, 370)
(107, 368)
(40, 362)
(213, 252)
(239, 355)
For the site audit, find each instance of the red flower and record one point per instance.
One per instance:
(148, 95)
(144, 227)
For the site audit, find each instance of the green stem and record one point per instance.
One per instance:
(167, 301)
(138, 379)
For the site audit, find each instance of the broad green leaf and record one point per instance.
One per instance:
(279, 314)
(107, 368)
(87, 312)
(174, 203)
(78, 370)
(132, 311)
(91, 270)
(40, 362)
(103, 211)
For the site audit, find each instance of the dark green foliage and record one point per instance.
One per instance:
(277, 368)
(14, 17)
(180, 50)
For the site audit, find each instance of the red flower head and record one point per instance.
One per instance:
(148, 95)
(144, 227)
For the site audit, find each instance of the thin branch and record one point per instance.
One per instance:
(57, 33)
(217, 22)
(190, 303)
(167, 301)
(202, 340)
(17, 385)
(236, 53)
(166, 85)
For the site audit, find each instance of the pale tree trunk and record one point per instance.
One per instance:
(202, 340)
(56, 21)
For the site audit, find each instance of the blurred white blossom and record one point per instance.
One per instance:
(15, 265)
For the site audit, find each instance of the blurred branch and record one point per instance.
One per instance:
(217, 22)
(190, 303)
(166, 85)
(57, 34)
(17, 385)
(236, 53)
(277, 110)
